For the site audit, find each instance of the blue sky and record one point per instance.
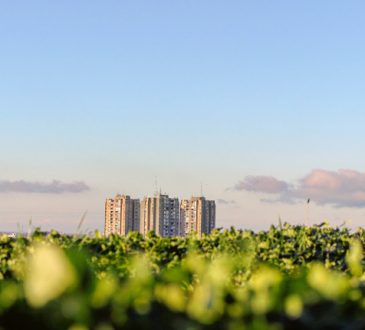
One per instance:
(116, 93)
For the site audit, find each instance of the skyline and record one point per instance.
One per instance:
(166, 216)
(260, 102)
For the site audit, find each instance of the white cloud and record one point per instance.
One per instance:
(54, 187)
(342, 188)
(265, 184)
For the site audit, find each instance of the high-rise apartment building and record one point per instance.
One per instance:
(197, 215)
(210, 216)
(160, 214)
(122, 214)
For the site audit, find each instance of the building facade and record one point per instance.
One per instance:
(122, 215)
(160, 214)
(197, 215)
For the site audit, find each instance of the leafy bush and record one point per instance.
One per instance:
(284, 278)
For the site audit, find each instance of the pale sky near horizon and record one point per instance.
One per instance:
(261, 101)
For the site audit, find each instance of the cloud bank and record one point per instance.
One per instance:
(265, 184)
(342, 188)
(54, 187)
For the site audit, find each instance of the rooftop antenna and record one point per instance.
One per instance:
(156, 189)
(201, 189)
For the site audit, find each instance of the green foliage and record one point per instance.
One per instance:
(284, 278)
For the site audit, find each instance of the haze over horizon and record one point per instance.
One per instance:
(262, 102)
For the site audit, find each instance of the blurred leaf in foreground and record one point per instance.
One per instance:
(49, 274)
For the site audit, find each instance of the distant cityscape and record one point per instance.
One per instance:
(166, 216)
(10, 235)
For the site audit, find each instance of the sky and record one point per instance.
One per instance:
(260, 103)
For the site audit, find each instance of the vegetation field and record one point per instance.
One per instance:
(289, 277)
